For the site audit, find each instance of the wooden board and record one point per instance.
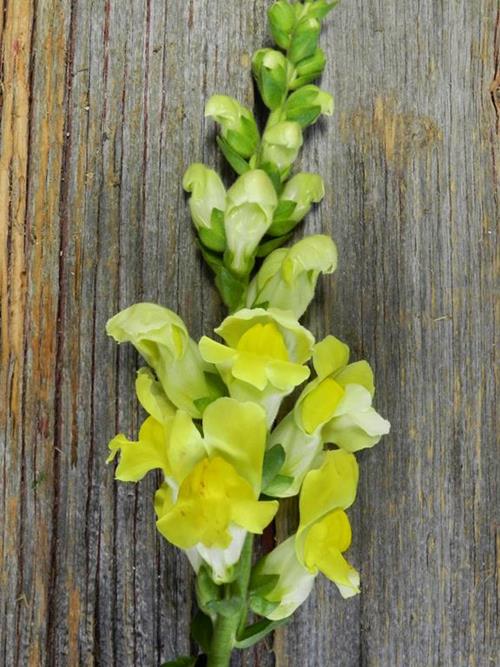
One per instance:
(102, 111)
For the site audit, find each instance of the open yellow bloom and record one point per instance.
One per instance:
(336, 407)
(264, 355)
(324, 534)
(210, 497)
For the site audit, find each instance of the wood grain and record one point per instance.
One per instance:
(101, 112)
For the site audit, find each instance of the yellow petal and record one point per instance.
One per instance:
(213, 352)
(333, 486)
(329, 356)
(212, 498)
(138, 458)
(186, 447)
(285, 375)
(151, 395)
(323, 548)
(250, 369)
(254, 515)
(264, 340)
(237, 432)
(319, 405)
(358, 373)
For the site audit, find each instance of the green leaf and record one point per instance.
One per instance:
(273, 462)
(254, 633)
(239, 165)
(202, 630)
(226, 607)
(268, 246)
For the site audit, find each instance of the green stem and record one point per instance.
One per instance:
(226, 627)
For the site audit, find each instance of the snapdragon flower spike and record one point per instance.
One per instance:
(333, 408)
(288, 276)
(161, 337)
(323, 535)
(263, 356)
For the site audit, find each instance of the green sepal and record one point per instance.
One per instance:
(281, 18)
(308, 69)
(227, 607)
(321, 8)
(261, 584)
(215, 237)
(273, 462)
(202, 630)
(279, 484)
(268, 246)
(216, 385)
(240, 143)
(239, 165)
(283, 211)
(231, 288)
(274, 174)
(304, 40)
(254, 633)
(207, 590)
(304, 116)
(261, 606)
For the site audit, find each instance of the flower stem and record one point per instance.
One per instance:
(226, 627)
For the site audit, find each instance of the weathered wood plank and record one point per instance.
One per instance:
(102, 110)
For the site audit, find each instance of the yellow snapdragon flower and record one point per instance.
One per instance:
(324, 534)
(161, 337)
(210, 497)
(335, 407)
(263, 357)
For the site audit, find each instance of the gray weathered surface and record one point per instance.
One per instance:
(102, 110)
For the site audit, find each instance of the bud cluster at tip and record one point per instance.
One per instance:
(256, 215)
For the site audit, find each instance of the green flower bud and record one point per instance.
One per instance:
(304, 39)
(306, 105)
(238, 125)
(281, 20)
(281, 144)
(318, 9)
(308, 69)
(301, 191)
(207, 204)
(270, 71)
(288, 276)
(250, 206)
